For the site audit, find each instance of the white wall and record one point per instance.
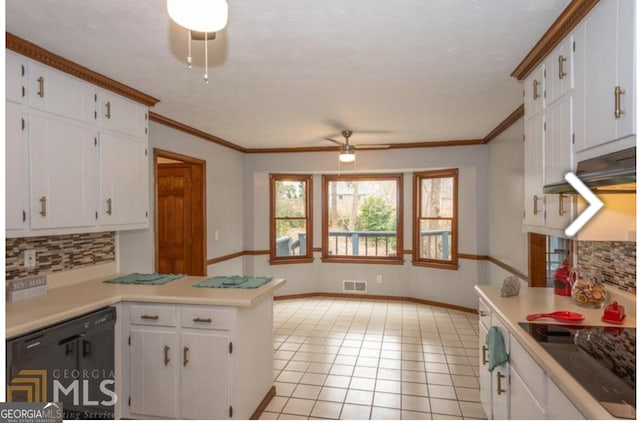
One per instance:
(225, 184)
(454, 287)
(507, 241)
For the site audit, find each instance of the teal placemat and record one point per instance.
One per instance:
(146, 278)
(243, 282)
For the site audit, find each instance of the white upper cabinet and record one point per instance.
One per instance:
(16, 177)
(559, 71)
(54, 92)
(533, 171)
(64, 173)
(534, 92)
(609, 71)
(121, 115)
(124, 181)
(15, 73)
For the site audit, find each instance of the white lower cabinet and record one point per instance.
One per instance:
(196, 362)
(154, 372)
(519, 389)
(204, 392)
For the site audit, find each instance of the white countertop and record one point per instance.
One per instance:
(69, 301)
(512, 310)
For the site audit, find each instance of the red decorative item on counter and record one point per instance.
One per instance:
(613, 313)
(561, 282)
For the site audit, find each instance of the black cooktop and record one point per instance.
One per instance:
(601, 359)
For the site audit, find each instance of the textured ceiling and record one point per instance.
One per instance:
(287, 73)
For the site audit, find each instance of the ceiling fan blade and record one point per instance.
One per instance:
(335, 141)
(371, 146)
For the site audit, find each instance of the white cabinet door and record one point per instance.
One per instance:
(124, 180)
(500, 375)
(558, 160)
(485, 375)
(533, 169)
(63, 173)
(153, 377)
(55, 92)
(534, 92)
(204, 392)
(16, 169)
(121, 115)
(559, 66)
(558, 405)
(523, 404)
(609, 63)
(15, 71)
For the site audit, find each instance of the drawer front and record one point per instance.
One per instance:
(152, 315)
(206, 318)
(531, 373)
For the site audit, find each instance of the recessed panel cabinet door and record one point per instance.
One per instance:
(204, 394)
(533, 171)
(15, 68)
(55, 92)
(64, 173)
(121, 115)
(16, 186)
(153, 374)
(124, 196)
(485, 375)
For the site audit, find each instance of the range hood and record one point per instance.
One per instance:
(613, 173)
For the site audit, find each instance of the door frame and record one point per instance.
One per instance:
(199, 208)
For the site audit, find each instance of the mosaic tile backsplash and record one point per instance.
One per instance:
(58, 253)
(615, 262)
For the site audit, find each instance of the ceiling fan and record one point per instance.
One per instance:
(347, 153)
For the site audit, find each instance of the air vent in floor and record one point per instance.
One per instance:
(354, 286)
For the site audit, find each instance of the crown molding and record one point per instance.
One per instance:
(561, 27)
(502, 126)
(32, 51)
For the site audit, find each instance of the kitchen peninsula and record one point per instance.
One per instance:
(180, 351)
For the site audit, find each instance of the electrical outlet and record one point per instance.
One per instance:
(378, 278)
(30, 259)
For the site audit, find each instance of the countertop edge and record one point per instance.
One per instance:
(52, 319)
(565, 382)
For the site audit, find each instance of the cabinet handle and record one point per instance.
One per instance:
(185, 359)
(108, 106)
(561, 72)
(41, 86)
(148, 317)
(43, 206)
(561, 210)
(535, 205)
(484, 354)
(535, 89)
(616, 94)
(166, 355)
(499, 378)
(109, 204)
(199, 320)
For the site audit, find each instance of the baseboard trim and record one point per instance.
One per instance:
(263, 404)
(375, 297)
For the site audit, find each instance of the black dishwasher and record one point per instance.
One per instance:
(70, 362)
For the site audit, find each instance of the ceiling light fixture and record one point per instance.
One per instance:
(347, 154)
(202, 18)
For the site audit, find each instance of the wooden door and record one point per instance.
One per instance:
(174, 205)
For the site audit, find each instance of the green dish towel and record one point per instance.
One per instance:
(145, 278)
(497, 352)
(242, 282)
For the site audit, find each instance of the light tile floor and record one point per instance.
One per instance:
(376, 360)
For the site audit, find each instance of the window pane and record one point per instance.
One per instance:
(362, 218)
(290, 199)
(291, 237)
(435, 239)
(437, 197)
